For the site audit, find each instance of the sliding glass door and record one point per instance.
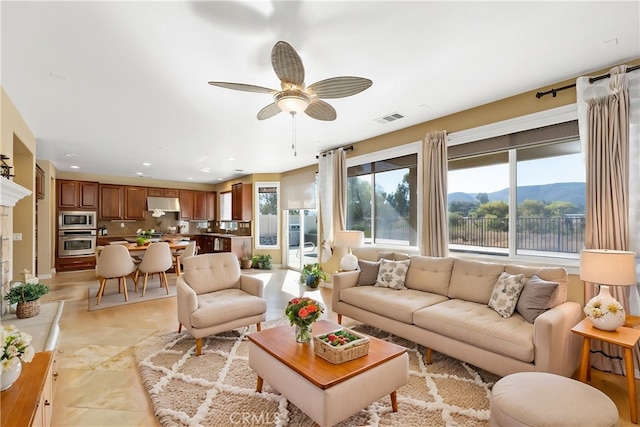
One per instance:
(302, 237)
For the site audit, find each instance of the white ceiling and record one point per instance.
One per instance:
(122, 83)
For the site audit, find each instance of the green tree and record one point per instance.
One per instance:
(462, 207)
(483, 198)
(556, 209)
(495, 209)
(268, 203)
(359, 203)
(532, 208)
(400, 199)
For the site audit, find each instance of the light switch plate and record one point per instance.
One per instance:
(17, 236)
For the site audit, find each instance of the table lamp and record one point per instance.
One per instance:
(349, 239)
(606, 268)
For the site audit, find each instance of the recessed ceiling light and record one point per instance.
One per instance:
(219, 179)
(139, 173)
(74, 167)
(71, 155)
(230, 158)
(189, 178)
(146, 164)
(206, 170)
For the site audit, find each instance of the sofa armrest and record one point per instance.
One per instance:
(557, 349)
(187, 301)
(343, 280)
(252, 285)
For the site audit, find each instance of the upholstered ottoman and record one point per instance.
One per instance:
(541, 399)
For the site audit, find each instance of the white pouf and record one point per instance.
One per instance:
(541, 399)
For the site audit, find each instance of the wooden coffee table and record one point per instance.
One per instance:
(327, 393)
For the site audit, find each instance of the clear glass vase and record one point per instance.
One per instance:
(303, 333)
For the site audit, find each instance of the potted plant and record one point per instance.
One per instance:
(312, 274)
(261, 261)
(26, 296)
(246, 261)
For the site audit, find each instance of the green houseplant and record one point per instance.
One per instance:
(26, 296)
(262, 262)
(311, 275)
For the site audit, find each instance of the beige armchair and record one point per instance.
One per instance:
(213, 296)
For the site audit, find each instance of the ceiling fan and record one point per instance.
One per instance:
(295, 97)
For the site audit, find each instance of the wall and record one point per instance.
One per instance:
(46, 209)
(18, 143)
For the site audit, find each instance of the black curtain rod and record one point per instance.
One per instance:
(591, 80)
(324, 153)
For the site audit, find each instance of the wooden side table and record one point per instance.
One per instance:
(624, 337)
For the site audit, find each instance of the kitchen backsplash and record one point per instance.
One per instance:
(165, 224)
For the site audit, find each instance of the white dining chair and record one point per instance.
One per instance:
(114, 262)
(189, 250)
(156, 259)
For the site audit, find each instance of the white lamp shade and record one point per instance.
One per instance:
(608, 267)
(349, 238)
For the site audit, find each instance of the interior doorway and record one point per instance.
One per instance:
(302, 238)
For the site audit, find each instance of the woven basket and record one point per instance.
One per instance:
(24, 310)
(345, 353)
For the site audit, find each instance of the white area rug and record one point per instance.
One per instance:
(218, 387)
(112, 298)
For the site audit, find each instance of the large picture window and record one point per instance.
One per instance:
(382, 200)
(520, 194)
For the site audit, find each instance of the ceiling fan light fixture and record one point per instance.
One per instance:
(292, 102)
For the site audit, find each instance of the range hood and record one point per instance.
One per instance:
(166, 204)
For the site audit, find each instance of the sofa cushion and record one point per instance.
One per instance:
(393, 256)
(506, 291)
(225, 306)
(550, 274)
(479, 325)
(535, 297)
(392, 274)
(429, 274)
(474, 280)
(394, 304)
(368, 272)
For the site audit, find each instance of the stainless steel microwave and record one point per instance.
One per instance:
(77, 220)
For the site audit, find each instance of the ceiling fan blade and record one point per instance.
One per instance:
(320, 110)
(243, 87)
(287, 63)
(339, 87)
(268, 111)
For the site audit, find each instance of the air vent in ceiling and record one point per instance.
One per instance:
(390, 118)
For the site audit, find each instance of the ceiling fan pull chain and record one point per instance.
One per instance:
(293, 134)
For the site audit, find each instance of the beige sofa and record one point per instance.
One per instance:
(445, 308)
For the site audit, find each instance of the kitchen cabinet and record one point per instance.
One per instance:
(162, 192)
(122, 202)
(241, 203)
(186, 204)
(111, 201)
(77, 194)
(222, 243)
(135, 202)
(200, 205)
(39, 183)
(75, 263)
(211, 205)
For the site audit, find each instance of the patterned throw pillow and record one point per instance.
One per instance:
(392, 274)
(506, 291)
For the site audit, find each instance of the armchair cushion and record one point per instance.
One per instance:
(205, 273)
(224, 306)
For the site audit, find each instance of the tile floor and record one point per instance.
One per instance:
(98, 382)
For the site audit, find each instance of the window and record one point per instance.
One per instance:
(267, 201)
(225, 206)
(382, 200)
(542, 171)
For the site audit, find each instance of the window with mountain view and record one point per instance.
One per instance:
(542, 171)
(381, 200)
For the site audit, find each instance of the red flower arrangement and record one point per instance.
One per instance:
(303, 311)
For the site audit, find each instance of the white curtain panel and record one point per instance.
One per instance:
(325, 196)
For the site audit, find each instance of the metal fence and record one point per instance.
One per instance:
(558, 234)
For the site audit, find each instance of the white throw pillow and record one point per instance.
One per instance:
(392, 274)
(506, 291)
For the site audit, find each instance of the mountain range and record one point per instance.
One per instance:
(572, 192)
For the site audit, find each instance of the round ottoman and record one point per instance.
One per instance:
(541, 399)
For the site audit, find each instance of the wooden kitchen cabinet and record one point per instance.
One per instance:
(162, 192)
(211, 205)
(135, 202)
(200, 205)
(75, 263)
(122, 202)
(241, 203)
(111, 201)
(186, 204)
(77, 194)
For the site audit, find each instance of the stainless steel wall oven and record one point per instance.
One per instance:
(73, 243)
